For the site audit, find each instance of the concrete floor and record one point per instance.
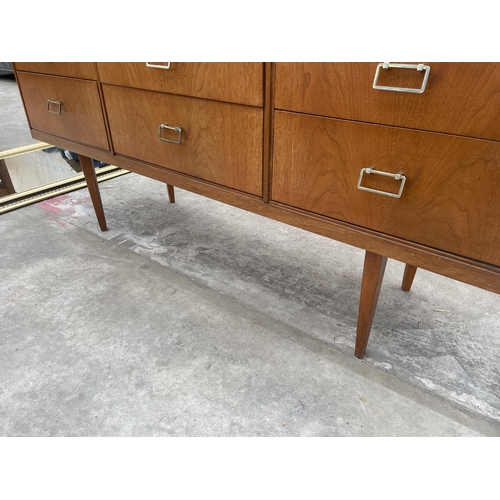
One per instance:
(13, 123)
(198, 319)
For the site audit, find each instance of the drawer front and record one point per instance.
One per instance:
(219, 142)
(449, 201)
(79, 116)
(459, 98)
(232, 82)
(73, 69)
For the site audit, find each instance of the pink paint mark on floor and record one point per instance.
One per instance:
(64, 204)
(53, 205)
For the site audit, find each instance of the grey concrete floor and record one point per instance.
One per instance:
(14, 130)
(198, 319)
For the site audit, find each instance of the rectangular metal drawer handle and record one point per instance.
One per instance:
(160, 66)
(370, 170)
(168, 127)
(57, 103)
(418, 67)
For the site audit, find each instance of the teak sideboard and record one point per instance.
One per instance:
(399, 159)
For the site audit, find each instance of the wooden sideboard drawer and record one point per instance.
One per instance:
(449, 201)
(82, 70)
(232, 82)
(459, 98)
(64, 107)
(219, 142)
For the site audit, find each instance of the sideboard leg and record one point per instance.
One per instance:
(171, 194)
(373, 274)
(95, 195)
(408, 277)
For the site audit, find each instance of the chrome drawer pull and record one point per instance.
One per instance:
(161, 66)
(57, 103)
(370, 170)
(418, 67)
(168, 127)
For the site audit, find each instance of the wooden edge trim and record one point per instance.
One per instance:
(23, 149)
(104, 110)
(267, 130)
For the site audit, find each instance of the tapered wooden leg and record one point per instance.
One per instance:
(95, 195)
(408, 277)
(373, 274)
(171, 194)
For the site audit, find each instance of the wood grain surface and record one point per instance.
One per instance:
(450, 201)
(408, 277)
(81, 117)
(73, 69)
(373, 274)
(460, 98)
(93, 187)
(232, 82)
(221, 142)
